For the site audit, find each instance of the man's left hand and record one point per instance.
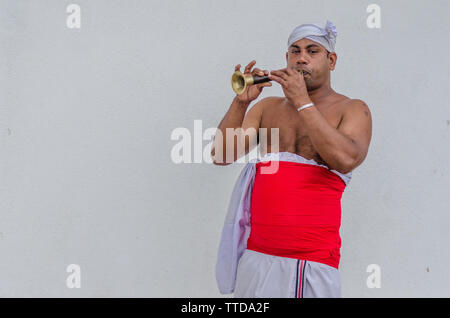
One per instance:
(293, 85)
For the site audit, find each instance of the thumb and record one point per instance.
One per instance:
(267, 84)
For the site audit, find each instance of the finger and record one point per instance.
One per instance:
(277, 79)
(237, 67)
(279, 74)
(266, 84)
(293, 71)
(281, 70)
(290, 71)
(257, 71)
(249, 66)
(276, 71)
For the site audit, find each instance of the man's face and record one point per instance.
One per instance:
(311, 57)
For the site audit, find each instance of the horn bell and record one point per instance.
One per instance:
(239, 82)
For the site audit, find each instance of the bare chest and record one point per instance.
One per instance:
(292, 136)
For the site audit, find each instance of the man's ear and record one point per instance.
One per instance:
(332, 59)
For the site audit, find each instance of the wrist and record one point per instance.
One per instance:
(240, 103)
(302, 102)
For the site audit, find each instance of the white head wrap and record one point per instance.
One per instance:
(322, 33)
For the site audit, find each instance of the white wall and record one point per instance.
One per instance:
(86, 117)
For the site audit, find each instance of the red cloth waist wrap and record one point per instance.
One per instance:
(296, 212)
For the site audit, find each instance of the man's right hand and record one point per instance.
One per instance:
(251, 92)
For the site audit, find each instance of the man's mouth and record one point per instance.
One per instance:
(303, 72)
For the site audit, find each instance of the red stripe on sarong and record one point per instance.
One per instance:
(300, 280)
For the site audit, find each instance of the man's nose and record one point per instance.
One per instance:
(303, 58)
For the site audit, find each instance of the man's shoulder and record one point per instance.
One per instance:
(269, 101)
(355, 110)
(355, 105)
(357, 101)
(272, 99)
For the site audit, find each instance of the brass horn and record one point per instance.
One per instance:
(239, 82)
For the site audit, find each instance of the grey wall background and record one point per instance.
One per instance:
(87, 114)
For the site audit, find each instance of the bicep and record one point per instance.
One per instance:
(356, 125)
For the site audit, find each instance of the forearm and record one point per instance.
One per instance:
(337, 150)
(233, 119)
(234, 116)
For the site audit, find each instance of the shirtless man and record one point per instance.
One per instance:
(335, 131)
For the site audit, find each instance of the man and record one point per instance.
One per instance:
(290, 245)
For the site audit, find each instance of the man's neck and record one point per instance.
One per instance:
(321, 94)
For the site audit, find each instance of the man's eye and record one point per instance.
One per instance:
(297, 52)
